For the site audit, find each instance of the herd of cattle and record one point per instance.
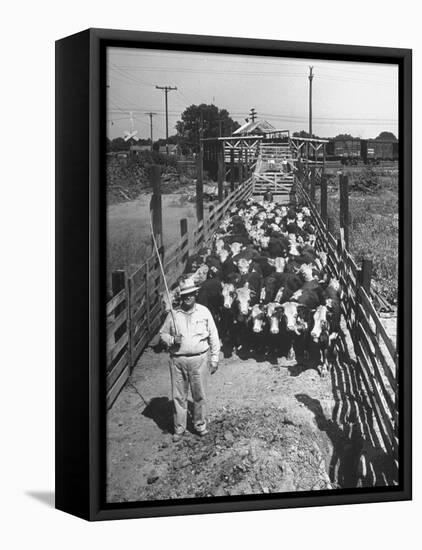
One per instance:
(266, 285)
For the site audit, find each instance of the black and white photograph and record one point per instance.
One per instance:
(252, 275)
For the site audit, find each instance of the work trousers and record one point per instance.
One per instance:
(189, 371)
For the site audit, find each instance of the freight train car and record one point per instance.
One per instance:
(374, 150)
(370, 151)
(347, 150)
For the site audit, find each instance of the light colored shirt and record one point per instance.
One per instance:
(198, 331)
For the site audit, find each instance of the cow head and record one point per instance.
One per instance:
(274, 312)
(219, 245)
(201, 274)
(258, 318)
(296, 316)
(321, 326)
(243, 298)
(322, 257)
(306, 271)
(264, 241)
(280, 264)
(235, 248)
(334, 284)
(243, 265)
(293, 250)
(229, 293)
(223, 254)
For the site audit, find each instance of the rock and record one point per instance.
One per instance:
(181, 463)
(252, 454)
(152, 477)
(218, 491)
(228, 436)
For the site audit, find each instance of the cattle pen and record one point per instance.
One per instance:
(365, 385)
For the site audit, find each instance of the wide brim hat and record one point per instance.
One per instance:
(187, 286)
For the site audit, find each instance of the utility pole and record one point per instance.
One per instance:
(253, 114)
(150, 119)
(166, 89)
(311, 76)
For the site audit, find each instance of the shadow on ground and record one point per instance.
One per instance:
(160, 410)
(45, 497)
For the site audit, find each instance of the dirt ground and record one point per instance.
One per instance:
(270, 431)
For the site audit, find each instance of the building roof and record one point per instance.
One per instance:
(259, 126)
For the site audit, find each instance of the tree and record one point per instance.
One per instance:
(304, 134)
(216, 122)
(345, 136)
(387, 136)
(119, 144)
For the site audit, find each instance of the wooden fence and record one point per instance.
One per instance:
(371, 392)
(135, 312)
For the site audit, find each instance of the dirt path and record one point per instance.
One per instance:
(269, 432)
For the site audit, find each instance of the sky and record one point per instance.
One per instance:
(356, 98)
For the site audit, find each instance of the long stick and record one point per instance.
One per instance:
(164, 277)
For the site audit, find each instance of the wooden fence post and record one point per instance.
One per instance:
(344, 207)
(220, 159)
(120, 281)
(231, 169)
(366, 274)
(240, 166)
(200, 186)
(312, 187)
(324, 198)
(157, 211)
(183, 231)
(330, 225)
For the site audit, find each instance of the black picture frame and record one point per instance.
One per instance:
(80, 281)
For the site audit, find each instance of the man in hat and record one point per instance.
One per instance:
(189, 342)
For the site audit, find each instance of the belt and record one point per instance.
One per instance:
(189, 354)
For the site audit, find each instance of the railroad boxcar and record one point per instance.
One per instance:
(370, 151)
(347, 150)
(376, 150)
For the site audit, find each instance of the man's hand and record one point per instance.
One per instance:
(213, 367)
(177, 340)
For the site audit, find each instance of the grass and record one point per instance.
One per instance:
(373, 229)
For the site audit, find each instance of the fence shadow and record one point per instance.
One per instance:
(344, 464)
(357, 460)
